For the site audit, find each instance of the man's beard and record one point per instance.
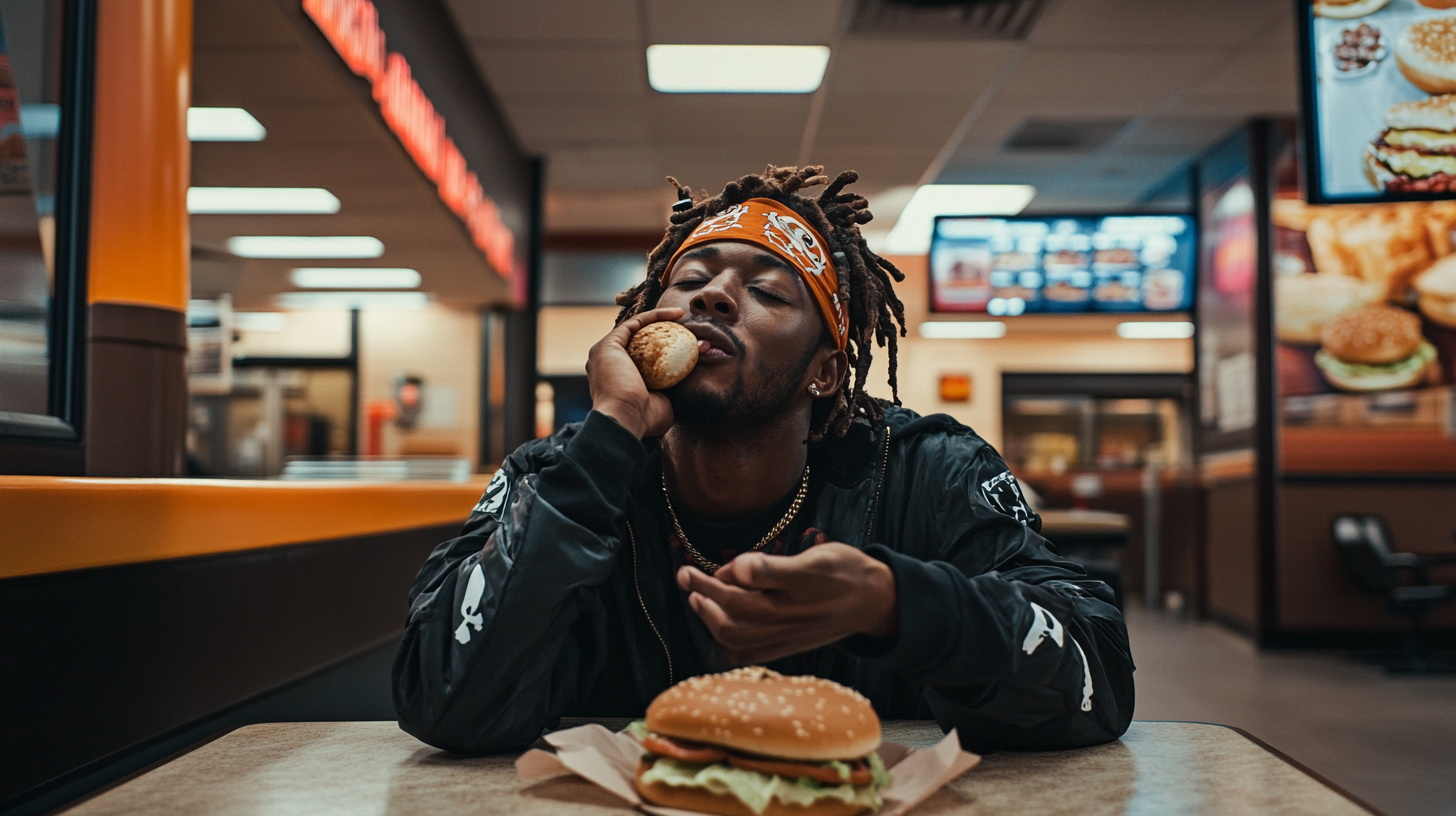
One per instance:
(740, 408)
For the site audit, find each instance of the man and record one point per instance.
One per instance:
(765, 510)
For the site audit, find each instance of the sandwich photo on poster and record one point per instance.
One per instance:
(1379, 82)
(1364, 296)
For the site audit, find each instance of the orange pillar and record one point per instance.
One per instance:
(140, 246)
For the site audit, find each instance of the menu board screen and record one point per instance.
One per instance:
(1379, 99)
(1012, 266)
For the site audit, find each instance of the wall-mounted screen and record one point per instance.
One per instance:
(1378, 81)
(1029, 264)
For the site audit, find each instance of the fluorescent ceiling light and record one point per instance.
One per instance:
(911, 234)
(352, 300)
(736, 68)
(962, 329)
(374, 277)
(1160, 330)
(305, 246)
(223, 125)
(244, 200)
(261, 321)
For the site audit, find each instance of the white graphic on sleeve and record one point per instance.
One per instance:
(1045, 625)
(495, 495)
(1004, 495)
(796, 241)
(726, 220)
(1086, 678)
(470, 607)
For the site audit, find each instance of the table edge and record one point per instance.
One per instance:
(1289, 760)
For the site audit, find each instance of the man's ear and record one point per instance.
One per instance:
(829, 371)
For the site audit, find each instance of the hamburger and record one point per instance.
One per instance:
(1426, 53)
(1436, 292)
(1374, 348)
(1416, 153)
(751, 742)
(664, 352)
(1348, 9)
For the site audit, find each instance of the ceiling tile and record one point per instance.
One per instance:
(1158, 23)
(281, 75)
(230, 24)
(1098, 74)
(770, 120)
(773, 22)
(546, 20)
(888, 121)
(1243, 105)
(877, 169)
(1262, 72)
(1187, 133)
(565, 71)
(594, 168)
(585, 121)
(637, 209)
(909, 68)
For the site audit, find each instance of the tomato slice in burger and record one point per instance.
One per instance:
(858, 775)
(686, 752)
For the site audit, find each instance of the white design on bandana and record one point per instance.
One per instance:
(495, 496)
(726, 220)
(470, 606)
(790, 235)
(1043, 625)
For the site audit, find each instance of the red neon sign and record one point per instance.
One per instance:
(352, 28)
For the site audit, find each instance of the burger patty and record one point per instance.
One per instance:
(1434, 183)
(859, 773)
(1425, 150)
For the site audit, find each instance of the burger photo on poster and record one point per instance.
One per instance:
(753, 742)
(1436, 292)
(1375, 348)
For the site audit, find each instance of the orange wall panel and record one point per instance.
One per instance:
(141, 156)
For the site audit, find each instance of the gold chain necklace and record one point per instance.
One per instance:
(709, 566)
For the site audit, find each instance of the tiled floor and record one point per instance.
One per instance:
(1389, 740)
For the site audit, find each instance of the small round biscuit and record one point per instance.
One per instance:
(664, 352)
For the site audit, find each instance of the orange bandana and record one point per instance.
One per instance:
(780, 230)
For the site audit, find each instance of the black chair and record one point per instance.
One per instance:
(1398, 577)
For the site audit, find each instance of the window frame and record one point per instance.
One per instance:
(53, 443)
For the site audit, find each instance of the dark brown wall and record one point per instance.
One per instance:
(1232, 553)
(136, 391)
(1316, 591)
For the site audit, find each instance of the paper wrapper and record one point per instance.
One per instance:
(610, 761)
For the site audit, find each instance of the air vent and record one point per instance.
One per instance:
(1068, 135)
(946, 19)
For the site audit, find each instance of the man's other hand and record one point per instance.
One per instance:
(617, 389)
(764, 607)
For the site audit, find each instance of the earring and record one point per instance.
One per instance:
(814, 389)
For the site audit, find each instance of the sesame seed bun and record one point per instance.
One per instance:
(1373, 335)
(664, 352)
(1436, 290)
(762, 712)
(1432, 113)
(1426, 54)
(703, 801)
(1348, 9)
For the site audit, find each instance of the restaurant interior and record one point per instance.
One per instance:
(283, 282)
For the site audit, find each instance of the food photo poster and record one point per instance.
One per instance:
(1380, 91)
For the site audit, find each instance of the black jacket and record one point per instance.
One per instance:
(551, 601)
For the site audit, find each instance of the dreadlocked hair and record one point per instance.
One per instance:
(864, 277)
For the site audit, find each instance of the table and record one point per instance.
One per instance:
(374, 768)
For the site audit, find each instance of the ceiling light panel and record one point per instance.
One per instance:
(352, 300)
(373, 277)
(911, 234)
(781, 69)
(305, 246)
(962, 329)
(223, 125)
(252, 200)
(1155, 330)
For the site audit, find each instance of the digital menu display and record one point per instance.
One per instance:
(1012, 266)
(1379, 82)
